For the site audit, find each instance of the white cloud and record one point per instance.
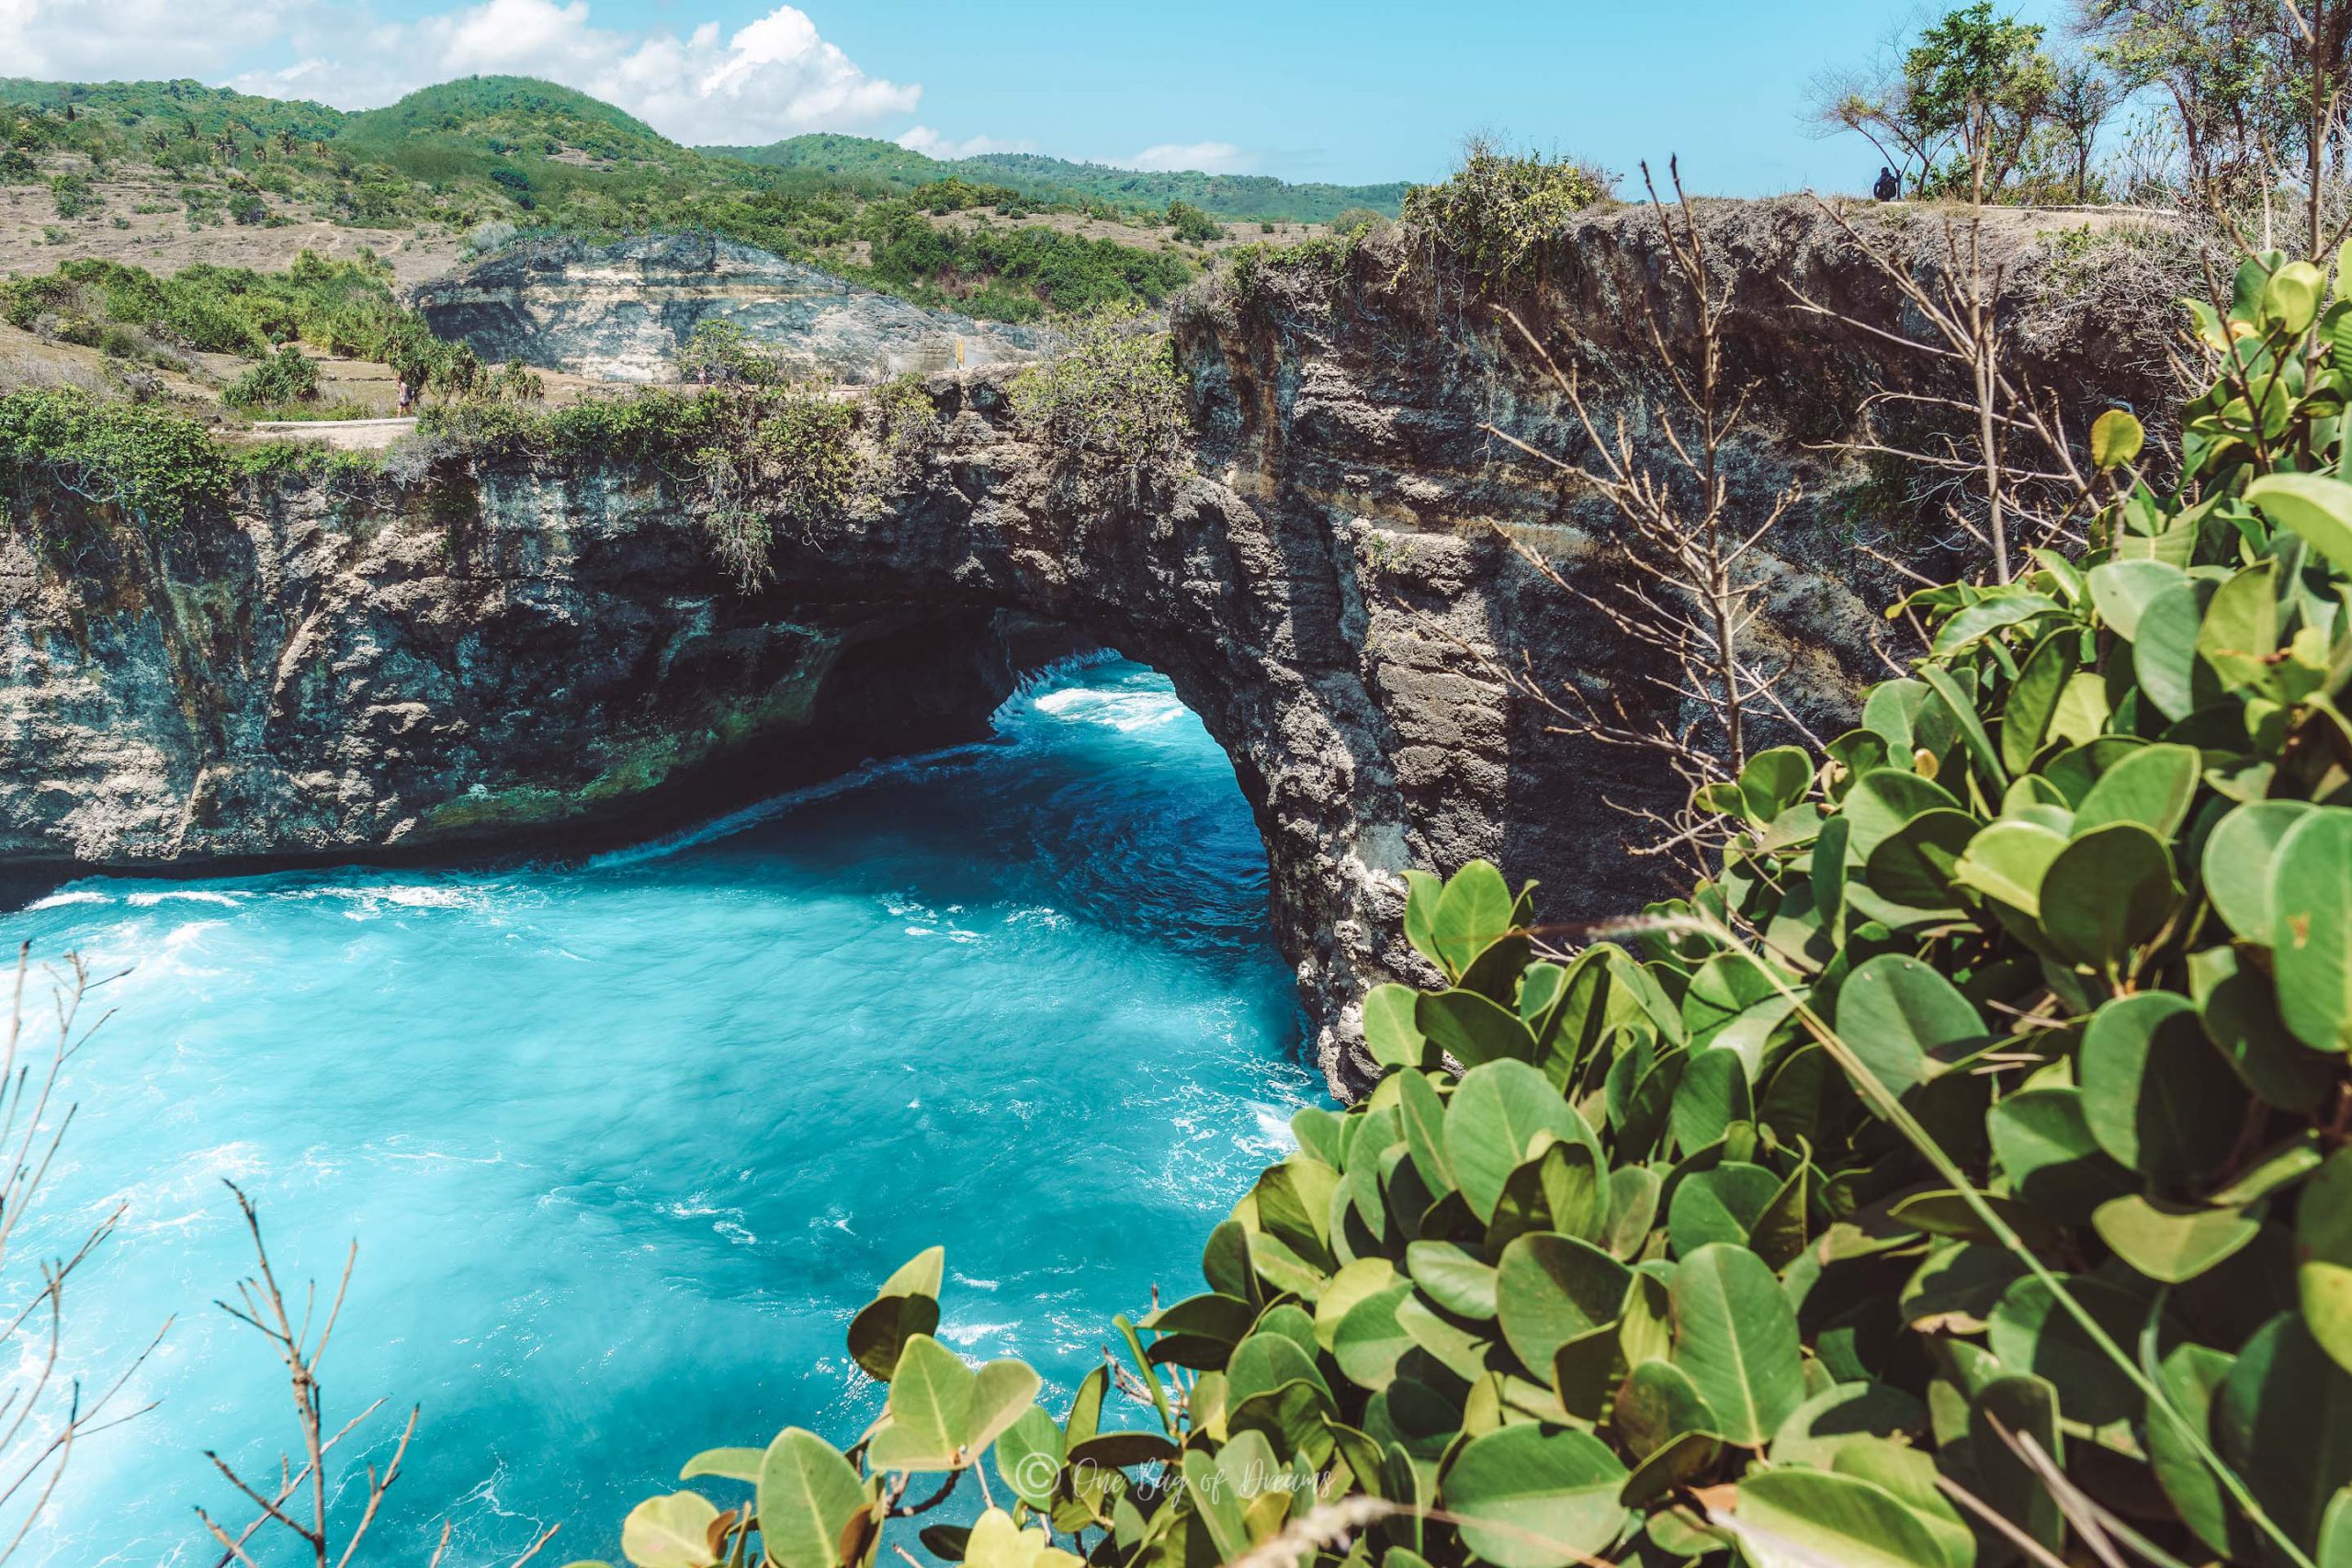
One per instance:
(1207, 157)
(774, 78)
(97, 40)
(932, 144)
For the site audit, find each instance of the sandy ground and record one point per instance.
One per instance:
(163, 243)
(368, 390)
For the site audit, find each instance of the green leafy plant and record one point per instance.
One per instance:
(1496, 209)
(1958, 1173)
(286, 377)
(1111, 400)
(155, 466)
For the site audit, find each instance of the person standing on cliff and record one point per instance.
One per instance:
(405, 397)
(1888, 187)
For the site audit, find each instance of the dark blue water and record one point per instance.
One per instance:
(624, 1145)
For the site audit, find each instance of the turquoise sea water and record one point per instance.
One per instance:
(625, 1143)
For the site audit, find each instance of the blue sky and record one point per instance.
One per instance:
(1360, 92)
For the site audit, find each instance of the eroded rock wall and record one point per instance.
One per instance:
(619, 313)
(508, 654)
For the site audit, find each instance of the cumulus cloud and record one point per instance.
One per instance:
(771, 78)
(1207, 157)
(932, 144)
(96, 39)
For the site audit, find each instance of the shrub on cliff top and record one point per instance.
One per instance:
(1498, 207)
(1961, 1172)
(154, 466)
(1112, 400)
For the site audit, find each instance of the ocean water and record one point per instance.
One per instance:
(624, 1144)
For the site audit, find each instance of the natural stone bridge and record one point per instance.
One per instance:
(536, 657)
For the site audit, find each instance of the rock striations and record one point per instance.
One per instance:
(513, 654)
(619, 312)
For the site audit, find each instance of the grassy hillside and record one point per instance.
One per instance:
(517, 154)
(1231, 196)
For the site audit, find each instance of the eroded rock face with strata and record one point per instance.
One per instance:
(619, 312)
(512, 655)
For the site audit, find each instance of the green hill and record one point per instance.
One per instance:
(1232, 196)
(491, 150)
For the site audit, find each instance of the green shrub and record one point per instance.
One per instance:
(1970, 1148)
(1498, 207)
(287, 377)
(73, 194)
(158, 467)
(1193, 226)
(1111, 400)
(906, 423)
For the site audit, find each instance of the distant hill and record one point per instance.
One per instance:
(1033, 173)
(1009, 237)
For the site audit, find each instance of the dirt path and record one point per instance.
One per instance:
(340, 434)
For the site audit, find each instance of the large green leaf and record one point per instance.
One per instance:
(735, 1464)
(2324, 1257)
(1453, 1277)
(1473, 911)
(2033, 697)
(2156, 1095)
(2173, 1242)
(808, 1495)
(1266, 1360)
(1805, 1518)
(671, 1532)
(1496, 1112)
(1535, 1496)
(1913, 867)
(2191, 1376)
(2006, 859)
(1898, 1015)
(1472, 1028)
(2106, 893)
(1736, 1335)
(1370, 1342)
(1722, 1204)
(1389, 1032)
(2001, 1410)
(2317, 507)
(1296, 1418)
(2284, 1420)
(1711, 1092)
(1845, 1414)
(1658, 1404)
(907, 1304)
(2174, 676)
(2122, 588)
(930, 1410)
(2153, 786)
(2311, 931)
(2031, 1332)
(1423, 1114)
(1551, 1289)
(2241, 629)
(1029, 1456)
(1774, 781)
(2238, 858)
(1883, 800)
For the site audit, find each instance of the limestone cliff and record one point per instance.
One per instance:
(619, 312)
(513, 653)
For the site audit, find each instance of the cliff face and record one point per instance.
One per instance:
(619, 312)
(510, 654)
